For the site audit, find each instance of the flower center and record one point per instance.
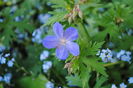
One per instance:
(63, 41)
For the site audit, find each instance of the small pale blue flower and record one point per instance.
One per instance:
(44, 55)
(1, 78)
(43, 18)
(113, 86)
(98, 53)
(103, 56)
(1, 20)
(49, 85)
(122, 85)
(37, 35)
(119, 54)
(128, 53)
(22, 35)
(111, 44)
(12, 59)
(13, 9)
(130, 32)
(101, 9)
(10, 63)
(2, 60)
(130, 80)
(125, 58)
(106, 55)
(18, 18)
(7, 55)
(46, 66)
(62, 41)
(124, 55)
(7, 78)
(2, 47)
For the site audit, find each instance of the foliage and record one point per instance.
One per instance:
(101, 24)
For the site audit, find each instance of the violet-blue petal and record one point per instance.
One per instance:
(50, 42)
(58, 29)
(73, 48)
(62, 52)
(71, 34)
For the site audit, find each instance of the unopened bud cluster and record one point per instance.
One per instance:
(76, 12)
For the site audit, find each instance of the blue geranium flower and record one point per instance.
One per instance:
(62, 41)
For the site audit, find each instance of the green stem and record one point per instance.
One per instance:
(21, 68)
(83, 30)
(86, 31)
(111, 64)
(61, 80)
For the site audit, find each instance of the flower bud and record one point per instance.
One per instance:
(70, 19)
(80, 14)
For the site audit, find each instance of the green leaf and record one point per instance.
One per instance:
(24, 25)
(1, 86)
(55, 18)
(94, 47)
(58, 3)
(100, 81)
(74, 80)
(97, 66)
(32, 82)
(9, 25)
(85, 76)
